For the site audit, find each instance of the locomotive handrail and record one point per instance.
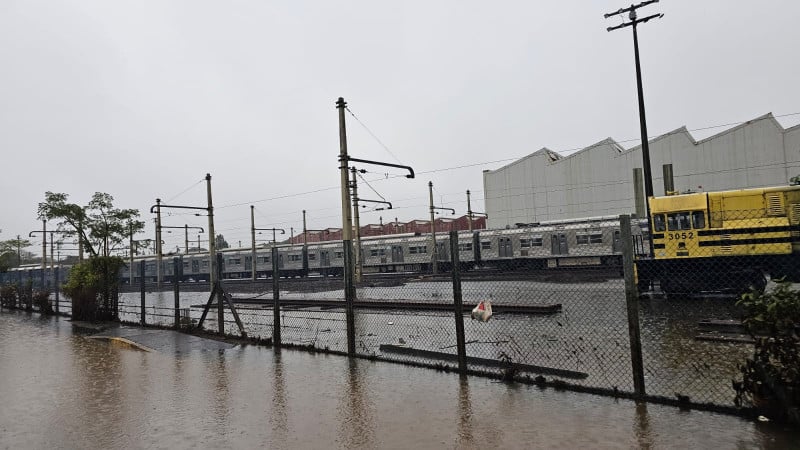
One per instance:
(378, 163)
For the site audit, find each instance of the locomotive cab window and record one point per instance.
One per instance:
(698, 220)
(658, 223)
(678, 221)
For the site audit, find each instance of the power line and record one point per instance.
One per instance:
(373, 135)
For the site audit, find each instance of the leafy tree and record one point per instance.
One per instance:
(100, 228)
(99, 225)
(10, 252)
(221, 242)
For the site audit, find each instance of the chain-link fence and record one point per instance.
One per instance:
(617, 319)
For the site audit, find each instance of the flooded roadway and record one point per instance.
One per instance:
(60, 389)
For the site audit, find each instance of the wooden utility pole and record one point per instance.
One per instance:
(648, 178)
(347, 230)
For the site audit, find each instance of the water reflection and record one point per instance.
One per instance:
(279, 417)
(222, 395)
(641, 427)
(464, 413)
(355, 411)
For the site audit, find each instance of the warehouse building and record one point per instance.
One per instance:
(606, 179)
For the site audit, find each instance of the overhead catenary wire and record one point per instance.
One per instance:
(373, 135)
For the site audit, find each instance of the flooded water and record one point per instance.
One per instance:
(588, 337)
(60, 389)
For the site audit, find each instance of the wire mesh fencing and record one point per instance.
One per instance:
(692, 334)
(578, 318)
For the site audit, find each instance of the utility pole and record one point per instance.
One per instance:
(253, 238)
(634, 21)
(469, 212)
(212, 245)
(357, 229)
(130, 268)
(347, 231)
(80, 239)
(158, 243)
(44, 249)
(434, 256)
(305, 230)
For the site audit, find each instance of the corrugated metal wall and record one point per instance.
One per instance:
(598, 180)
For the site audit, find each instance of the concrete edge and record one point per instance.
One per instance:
(125, 341)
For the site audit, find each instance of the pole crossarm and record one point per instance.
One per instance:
(630, 8)
(271, 229)
(186, 228)
(635, 22)
(378, 163)
(452, 211)
(389, 204)
(476, 213)
(152, 208)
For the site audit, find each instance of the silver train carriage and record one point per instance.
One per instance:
(589, 242)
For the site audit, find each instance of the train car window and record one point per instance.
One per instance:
(582, 239)
(698, 220)
(658, 223)
(596, 238)
(486, 245)
(373, 252)
(525, 243)
(312, 256)
(537, 241)
(205, 263)
(678, 221)
(338, 255)
(467, 247)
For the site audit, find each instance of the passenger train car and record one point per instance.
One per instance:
(591, 242)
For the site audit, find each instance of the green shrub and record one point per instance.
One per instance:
(8, 296)
(771, 378)
(90, 285)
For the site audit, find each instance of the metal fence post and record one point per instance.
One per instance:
(276, 300)
(177, 270)
(220, 297)
(458, 305)
(142, 289)
(56, 286)
(632, 302)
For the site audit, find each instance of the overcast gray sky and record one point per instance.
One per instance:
(140, 99)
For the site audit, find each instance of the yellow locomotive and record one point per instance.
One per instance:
(725, 241)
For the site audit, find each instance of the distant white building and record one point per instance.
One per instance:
(599, 180)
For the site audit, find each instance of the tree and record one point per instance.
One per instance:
(11, 253)
(221, 242)
(99, 225)
(100, 228)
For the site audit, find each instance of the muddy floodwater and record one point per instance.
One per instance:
(61, 389)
